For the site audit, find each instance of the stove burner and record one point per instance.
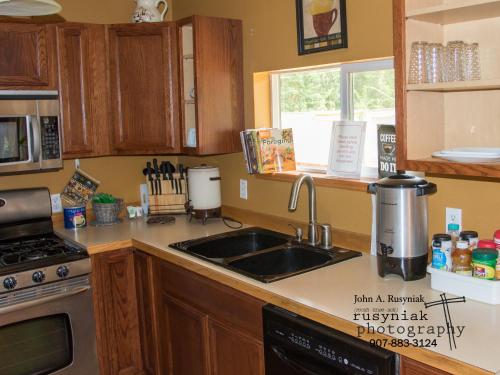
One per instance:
(22, 251)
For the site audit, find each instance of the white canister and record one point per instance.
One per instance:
(204, 187)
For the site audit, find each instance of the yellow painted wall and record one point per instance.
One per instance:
(270, 44)
(120, 176)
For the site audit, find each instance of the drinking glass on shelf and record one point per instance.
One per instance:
(454, 61)
(434, 62)
(418, 72)
(471, 66)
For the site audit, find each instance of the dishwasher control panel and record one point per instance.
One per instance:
(302, 343)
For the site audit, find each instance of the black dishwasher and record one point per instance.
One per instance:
(295, 345)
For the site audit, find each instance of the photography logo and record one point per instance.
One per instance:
(444, 302)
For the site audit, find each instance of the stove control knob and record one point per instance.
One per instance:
(38, 276)
(62, 271)
(10, 283)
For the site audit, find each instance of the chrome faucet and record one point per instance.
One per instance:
(312, 235)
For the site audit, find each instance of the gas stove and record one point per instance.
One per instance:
(31, 254)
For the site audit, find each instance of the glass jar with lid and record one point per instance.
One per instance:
(462, 258)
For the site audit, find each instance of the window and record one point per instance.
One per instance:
(309, 100)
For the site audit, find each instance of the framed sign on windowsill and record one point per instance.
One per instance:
(321, 25)
(346, 149)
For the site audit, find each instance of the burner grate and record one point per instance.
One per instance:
(22, 251)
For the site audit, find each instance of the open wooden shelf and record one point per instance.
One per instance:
(489, 84)
(461, 11)
(441, 166)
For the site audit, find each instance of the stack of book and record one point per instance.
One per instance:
(268, 150)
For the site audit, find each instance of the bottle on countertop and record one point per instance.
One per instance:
(462, 259)
(487, 244)
(441, 251)
(454, 232)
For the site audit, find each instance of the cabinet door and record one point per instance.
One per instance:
(143, 79)
(185, 333)
(28, 56)
(116, 313)
(83, 90)
(146, 312)
(233, 352)
(216, 46)
(74, 79)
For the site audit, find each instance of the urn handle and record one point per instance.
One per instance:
(158, 2)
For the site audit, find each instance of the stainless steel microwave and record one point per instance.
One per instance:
(30, 132)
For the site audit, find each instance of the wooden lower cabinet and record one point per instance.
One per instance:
(206, 327)
(153, 317)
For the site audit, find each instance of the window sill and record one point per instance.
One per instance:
(321, 179)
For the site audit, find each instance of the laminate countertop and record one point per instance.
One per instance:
(349, 296)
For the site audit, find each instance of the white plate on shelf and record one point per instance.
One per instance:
(470, 155)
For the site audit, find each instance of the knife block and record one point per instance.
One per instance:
(165, 199)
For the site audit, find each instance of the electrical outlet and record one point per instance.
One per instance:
(453, 216)
(56, 203)
(243, 189)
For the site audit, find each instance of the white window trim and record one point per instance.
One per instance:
(346, 109)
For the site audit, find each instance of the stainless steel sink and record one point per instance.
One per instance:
(262, 254)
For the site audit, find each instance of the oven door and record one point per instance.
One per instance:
(53, 333)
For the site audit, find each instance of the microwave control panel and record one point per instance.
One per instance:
(50, 137)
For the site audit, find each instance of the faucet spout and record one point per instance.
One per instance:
(294, 197)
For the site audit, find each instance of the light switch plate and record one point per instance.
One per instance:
(243, 189)
(453, 215)
(56, 203)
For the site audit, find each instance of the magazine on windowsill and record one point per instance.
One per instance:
(268, 150)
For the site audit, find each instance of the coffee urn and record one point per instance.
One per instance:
(401, 225)
(204, 192)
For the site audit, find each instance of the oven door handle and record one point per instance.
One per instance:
(294, 364)
(37, 138)
(40, 301)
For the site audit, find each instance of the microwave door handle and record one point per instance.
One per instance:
(293, 364)
(35, 128)
(41, 301)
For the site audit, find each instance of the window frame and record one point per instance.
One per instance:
(346, 92)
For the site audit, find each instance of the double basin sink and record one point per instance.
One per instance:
(262, 254)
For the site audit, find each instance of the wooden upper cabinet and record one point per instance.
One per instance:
(211, 79)
(143, 78)
(457, 114)
(27, 56)
(83, 90)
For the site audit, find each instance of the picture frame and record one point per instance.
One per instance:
(321, 25)
(346, 149)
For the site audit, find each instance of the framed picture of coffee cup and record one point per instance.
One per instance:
(321, 25)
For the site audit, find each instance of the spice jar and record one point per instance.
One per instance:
(496, 237)
(484, 263)
(462, 258)
(471, 237)
(487, 244)
(441, 252)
